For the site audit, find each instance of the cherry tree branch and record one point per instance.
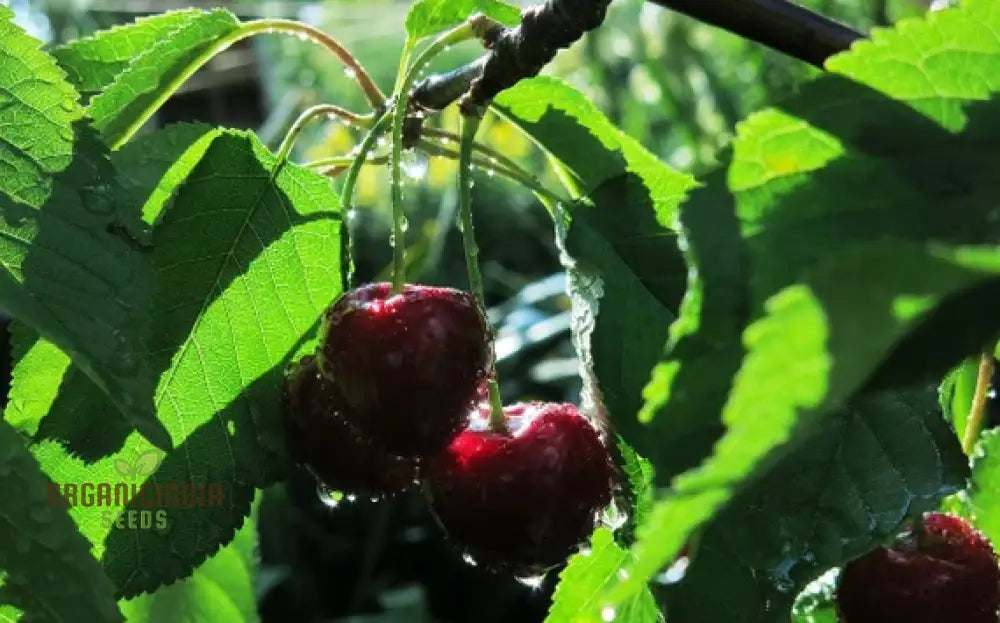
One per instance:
(517, 53)
(779, 24)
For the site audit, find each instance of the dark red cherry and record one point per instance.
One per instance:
(940, 570)
(320, 438)
(407, 365)
(524, 500)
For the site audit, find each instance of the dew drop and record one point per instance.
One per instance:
(490, 172)
(374, 499)
(66, 134)
(469, 560)
(675, 572)
(301, 36)
(414, 165)
(382, 141)
(68, 105)
(351, 497)
(623, 574)
(585, 551)
(404, 224)
(608, 614)
(350, 73)
(531, 581)
(352, 214)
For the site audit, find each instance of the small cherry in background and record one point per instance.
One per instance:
(941, 570)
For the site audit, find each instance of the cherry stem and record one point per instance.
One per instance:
(486, 150)
(470, 124)
(344, 162)
(511, 171)
(404, 84)
(977, 412)
(368, 143)
(355, 70)
(245, 31)
(314, 112)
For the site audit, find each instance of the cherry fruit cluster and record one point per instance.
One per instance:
(395, 398)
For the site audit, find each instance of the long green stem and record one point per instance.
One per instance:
(404, 84)
(245, 31)
(977, 412)
(347, 192)
(469, 126)
(313, 112)
(342, 161)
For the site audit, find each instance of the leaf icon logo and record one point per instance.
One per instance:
(123, 468)
(147, 462)
(144, 465)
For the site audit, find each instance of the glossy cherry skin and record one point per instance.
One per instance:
(407, 365)
(940, 571)
(525, 500)
(320, 438)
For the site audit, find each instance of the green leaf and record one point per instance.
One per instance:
(687, 391)
(882, 289)
(957, 390)
(639, 473)
(585, 574)
(221, 590)
(244, 267)
(627, 275)
(429, 17)
(36, 121)
(71, 270)
(847, 487)
(983, 502)
(48, 573)
(152, 166)
(93, 63)
(152, 76)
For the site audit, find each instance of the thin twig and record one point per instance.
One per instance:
(977, 412)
